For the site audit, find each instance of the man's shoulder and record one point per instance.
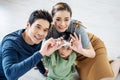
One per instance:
(13, 36)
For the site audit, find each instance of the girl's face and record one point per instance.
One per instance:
(37, 31)
(65, 51)
(61, 20)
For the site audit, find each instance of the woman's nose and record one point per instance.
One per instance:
(62, 23)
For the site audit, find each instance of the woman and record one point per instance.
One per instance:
(92, 64)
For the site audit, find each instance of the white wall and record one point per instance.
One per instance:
(102, 17)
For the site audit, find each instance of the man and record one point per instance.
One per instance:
(21, 50)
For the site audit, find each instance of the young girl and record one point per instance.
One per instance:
(61, 63)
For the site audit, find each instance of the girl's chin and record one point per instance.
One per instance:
(63, 56)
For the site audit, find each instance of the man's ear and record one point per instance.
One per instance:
(28, 24)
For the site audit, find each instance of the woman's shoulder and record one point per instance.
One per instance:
(76, 26)
(76, 23)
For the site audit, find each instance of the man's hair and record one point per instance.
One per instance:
(40, 14)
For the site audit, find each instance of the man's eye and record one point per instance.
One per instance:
(38, 27)
(58, 19)
(46, 30)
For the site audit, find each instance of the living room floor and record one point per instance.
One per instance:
(35, 75)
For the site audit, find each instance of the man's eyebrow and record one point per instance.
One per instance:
(38, 25)
(46, 28)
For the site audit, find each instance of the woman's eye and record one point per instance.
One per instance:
(67, 19)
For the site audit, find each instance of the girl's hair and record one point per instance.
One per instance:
(61, 6)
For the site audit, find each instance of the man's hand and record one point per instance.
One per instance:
(50, 46)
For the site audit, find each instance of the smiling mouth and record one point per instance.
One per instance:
(61, 27)
(38, 38)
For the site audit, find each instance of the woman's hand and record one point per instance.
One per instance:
(77, 47)
(76, 43)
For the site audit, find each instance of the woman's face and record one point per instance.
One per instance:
(61, 20)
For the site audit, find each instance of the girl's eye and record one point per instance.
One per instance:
(63, 47)
(68, 48)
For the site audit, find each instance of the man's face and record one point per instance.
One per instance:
(37, 31)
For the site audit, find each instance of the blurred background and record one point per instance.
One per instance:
(101, 17)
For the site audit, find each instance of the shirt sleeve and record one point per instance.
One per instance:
(13, 69)
(84, 37)
(41, 67)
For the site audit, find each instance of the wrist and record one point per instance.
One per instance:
(42, 53)
(81, 51)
